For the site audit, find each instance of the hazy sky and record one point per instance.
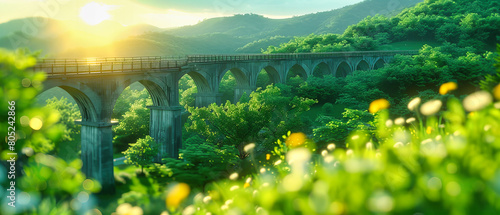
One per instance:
(164, 13)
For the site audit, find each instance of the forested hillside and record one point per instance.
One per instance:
(224, 35)
(462, 22)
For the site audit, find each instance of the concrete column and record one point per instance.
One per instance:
(165, 127)
(205, 99)
(239, 91)
(97, 153)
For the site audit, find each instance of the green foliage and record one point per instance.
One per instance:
(227, 86)
(127, 98)
(464, 23)
(202, 162)
(49, 185)
(327, 109)
(492, 80)
(422, 167)
(187, 91)
(142, 152)
(267, 115)
(69, 112)
(133, 126)
(337, 131)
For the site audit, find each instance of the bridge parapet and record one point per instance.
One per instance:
(109, 65)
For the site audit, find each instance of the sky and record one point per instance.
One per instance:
(161, 13)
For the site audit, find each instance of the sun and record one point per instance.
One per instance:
(94, 13)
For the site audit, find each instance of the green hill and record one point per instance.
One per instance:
(465, 23)
(247, 33)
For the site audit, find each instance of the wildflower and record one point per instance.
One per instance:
(233, 176)
(331, 147)
(496, 92)
(431, 107)
(399, 121)
(268, 156)
(412, 106)
(447, 87)
(378, 105)
(477, 101)
(324, 153)
(369, 146)
(388, 123)
(246, 185)
(127, 209)
(410, 120)
(207, 199)
(296, 139)
(177, 194)
(248, 148)
(428, 130)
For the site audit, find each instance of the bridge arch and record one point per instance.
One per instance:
(82, 98)
(200, 81)
(363, 66)
(154, 86)
(321, 69)
(379, 64)
(297, 70)
(272, 74)
(343, 69)
(235, 90)
(239, 75)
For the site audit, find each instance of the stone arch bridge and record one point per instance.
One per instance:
(96, 84)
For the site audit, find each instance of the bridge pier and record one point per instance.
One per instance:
(239, 91)
(97, 153)
(205, 99)
(165, 127)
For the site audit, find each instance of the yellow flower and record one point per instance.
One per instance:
(447, 87)
(496, 92)
(176, 194)
(296, 139)
(268, 156)
(428, 130)
(378, 105)
(246, 185)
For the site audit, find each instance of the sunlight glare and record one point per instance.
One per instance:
(94, 13)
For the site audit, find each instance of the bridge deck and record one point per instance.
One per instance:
(108, 65)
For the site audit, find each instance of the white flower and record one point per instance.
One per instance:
(248, 148)
(233, 176)
(412, 106)
(431, 107)
(399, 121)
(477, 101)
(410, 120)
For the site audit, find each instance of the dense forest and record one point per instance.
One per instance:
(421, 134)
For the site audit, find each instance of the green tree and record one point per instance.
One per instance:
(142, 152)
(134, 125)
(69, 112)
(268, 113)
(20, 85)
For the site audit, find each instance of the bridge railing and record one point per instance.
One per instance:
(103, 67)
(249, 57)
(106, 59)
(130, 64)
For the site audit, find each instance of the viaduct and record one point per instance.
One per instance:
(96, 84)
